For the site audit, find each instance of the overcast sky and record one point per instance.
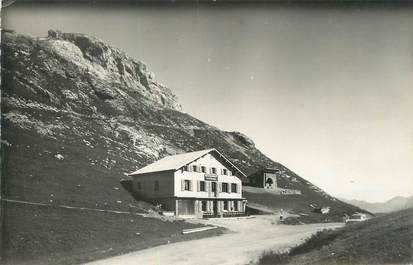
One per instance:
(328, 92)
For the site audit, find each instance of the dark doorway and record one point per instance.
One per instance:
(269, 183)
(215, 207)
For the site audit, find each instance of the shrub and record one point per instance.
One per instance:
(272, 258)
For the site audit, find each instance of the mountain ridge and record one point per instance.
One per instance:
(394, 204)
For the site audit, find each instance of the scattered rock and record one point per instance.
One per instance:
(59, 156)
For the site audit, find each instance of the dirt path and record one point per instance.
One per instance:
(245, 241)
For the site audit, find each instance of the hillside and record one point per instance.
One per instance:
(78, 114)
(383, 240)
(394, 204)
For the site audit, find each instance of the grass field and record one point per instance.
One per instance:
(382, 240)
(50, 235)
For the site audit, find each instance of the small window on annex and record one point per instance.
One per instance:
(156, 185)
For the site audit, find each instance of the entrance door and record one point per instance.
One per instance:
(269, 184)
(215, 207)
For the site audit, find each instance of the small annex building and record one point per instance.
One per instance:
(264, 178)
(196, 184)
(268, 178)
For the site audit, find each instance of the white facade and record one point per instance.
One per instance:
(209, 162)
(202, 183)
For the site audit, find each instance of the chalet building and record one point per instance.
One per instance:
(196, 184)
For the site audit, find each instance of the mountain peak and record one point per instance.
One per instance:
(111, 73)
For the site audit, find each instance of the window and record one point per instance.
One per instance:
(202, 186)
(187, 184)
(203, 169)
(204, 206)
(234, 187)
(224, 171)
(214, 186)
(229, 173)
(225, 205)
(185, 168)
(194, 168)
(156, 185)
(224, 187)
(213, 170)
(235, 206)
(139, 185)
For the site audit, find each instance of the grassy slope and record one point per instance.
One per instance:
(48, 235)
(383, 240)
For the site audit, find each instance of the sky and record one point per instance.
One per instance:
(326, 91)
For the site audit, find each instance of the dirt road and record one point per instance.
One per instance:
(244, 243)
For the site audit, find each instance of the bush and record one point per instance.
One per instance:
(272, 258)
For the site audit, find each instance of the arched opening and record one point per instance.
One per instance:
(269, 184)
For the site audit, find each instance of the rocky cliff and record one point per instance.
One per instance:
(78, 114)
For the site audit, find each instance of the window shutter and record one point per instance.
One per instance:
(229, 187)
(207, 185)
(219, 188)
(190, 185)
(222, 171)
(210, 170)
(198, 185)
(182, 184)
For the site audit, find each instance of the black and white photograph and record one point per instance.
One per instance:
(206, 132)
